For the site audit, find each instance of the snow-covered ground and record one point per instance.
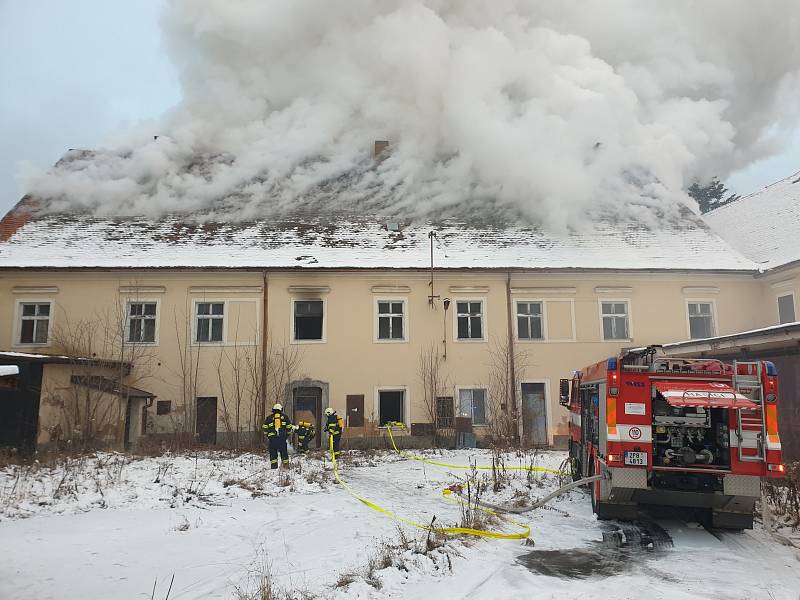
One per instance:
(116, 527)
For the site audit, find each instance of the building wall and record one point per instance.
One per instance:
(350, 360)
(777, 283)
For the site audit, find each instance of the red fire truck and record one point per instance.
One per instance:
(693, 433)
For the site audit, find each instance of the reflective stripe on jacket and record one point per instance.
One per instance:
(277, 424)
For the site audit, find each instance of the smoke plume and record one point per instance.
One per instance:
(550, 109)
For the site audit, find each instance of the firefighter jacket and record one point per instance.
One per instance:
(277, 425)
(305, 431)
(334, 425)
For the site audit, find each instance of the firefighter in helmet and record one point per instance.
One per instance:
(305, 433)
(334, 426)
(277, 427)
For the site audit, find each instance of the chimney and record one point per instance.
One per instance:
(381, 147)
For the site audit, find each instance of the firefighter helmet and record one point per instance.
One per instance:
(277, 407)
(329, 411)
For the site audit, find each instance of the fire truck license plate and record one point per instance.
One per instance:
(637, 459)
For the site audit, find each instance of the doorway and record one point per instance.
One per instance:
(534, 414)
(308, 407)
(206, 423)
(19, 407)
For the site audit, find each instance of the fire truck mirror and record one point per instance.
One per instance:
(563, 394)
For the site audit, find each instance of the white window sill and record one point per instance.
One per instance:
(396, 341)
(303, 342)
(470, 340)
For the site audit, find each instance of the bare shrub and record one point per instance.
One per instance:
(783, 496)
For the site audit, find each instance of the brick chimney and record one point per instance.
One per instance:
(381, 149)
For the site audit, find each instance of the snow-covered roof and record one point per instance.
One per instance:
(772, 330)
(764, 226)
(6, 370)
(681, 242)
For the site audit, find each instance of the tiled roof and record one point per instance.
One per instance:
(683, 242)
(764, 226)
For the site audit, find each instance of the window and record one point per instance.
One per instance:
(35, 323)
(142, 322)
(391, 324)
(390, 406)
(529, 321)
(210, 316)
(472, 403)
(308, 319)
(786, 309)
(444, 412)
(701, 321)
(163, 407)
(469, 317)
(615, 320)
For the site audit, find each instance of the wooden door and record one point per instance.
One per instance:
(355, 410)
(206, 424)
(534, 414)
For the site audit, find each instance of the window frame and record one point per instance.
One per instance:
(484, 321)
(157, 302)
(292, 339)
(16, 340)
(714, 320)
(628, 315)
(543, 303)
(457, 403)
(225, 314)
(376, 321)
(392, 388)
(778, 306)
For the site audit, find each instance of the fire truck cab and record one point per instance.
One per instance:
(693, 433)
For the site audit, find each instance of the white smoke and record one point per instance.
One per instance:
(553, 108)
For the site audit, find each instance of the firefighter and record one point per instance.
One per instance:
(305, 433)
(334, 426)
(277, 427)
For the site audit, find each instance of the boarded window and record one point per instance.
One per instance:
(472, 403)
(615, 320)
(529, 321)
(142, 322)
(786, 309)
(210, 317)
(308, 319)
(391, 324)
(701, 320)
(391, 406)
(470, 320)
(163, 407)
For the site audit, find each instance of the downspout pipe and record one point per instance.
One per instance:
(512, 367)
(264, 341)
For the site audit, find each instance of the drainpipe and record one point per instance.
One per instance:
(264, 341)
(512, 366)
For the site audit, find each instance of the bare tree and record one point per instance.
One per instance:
(504, 400)
(239, 378)
(434, 383)
(101, 362)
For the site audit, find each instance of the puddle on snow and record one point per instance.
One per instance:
(623, 546)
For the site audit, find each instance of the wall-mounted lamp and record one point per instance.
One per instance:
(446, 304)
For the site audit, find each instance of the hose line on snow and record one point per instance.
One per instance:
(447, 493)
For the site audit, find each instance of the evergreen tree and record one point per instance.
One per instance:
(710, 196)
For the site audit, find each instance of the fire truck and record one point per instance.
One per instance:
(695, 433)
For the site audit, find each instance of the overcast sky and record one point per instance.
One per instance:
(71, 73)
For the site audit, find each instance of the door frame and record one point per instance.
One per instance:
(548, 425)
(317, 409)
(197, 415)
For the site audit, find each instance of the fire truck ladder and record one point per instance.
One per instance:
(748, 384)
